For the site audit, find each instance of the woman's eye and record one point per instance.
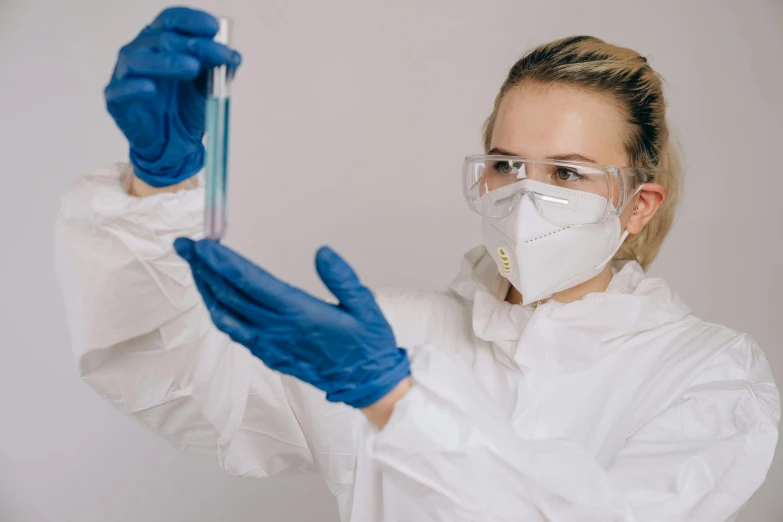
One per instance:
(564, 174)
(505, 167)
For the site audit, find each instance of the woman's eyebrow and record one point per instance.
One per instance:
(572, 157)
(497, 151)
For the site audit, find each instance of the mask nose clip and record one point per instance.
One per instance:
(534, 198)
(551, 199)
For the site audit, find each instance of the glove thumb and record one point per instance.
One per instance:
(342, 281)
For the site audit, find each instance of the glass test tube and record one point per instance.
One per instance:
(217, 119)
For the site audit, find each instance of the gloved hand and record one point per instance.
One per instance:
(347, 350)
(157, 93)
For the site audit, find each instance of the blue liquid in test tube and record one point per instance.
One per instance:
(217, 121)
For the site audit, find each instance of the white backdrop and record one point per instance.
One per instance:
(350, 122)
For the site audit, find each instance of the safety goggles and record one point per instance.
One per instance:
(565, 193)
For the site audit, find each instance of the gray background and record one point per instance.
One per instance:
(349, 126)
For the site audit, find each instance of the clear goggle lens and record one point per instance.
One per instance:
(564, 192)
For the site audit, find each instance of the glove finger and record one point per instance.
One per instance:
(246, 334)
(213, 54)
(208, 52)
(235, 327)
(151, 64)
(235, 300)
(236, 61)
(200, 83)
(210, 301)
(342, 281)
(186, 21)
(261, 286)
(185, 248)
(129, 89)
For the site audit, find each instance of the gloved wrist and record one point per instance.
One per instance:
(361, 395)
(168, 169)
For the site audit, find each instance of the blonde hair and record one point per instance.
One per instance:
(589, 63)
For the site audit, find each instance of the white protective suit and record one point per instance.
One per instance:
(622, 406)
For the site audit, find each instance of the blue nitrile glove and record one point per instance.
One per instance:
(347, 350)
(157, 93)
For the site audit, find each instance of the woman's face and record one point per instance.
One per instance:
(563, 123)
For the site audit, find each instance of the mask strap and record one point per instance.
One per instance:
(622, 238)
(635, 193)
(620, 243)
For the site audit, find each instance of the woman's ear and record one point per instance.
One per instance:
(644, 206)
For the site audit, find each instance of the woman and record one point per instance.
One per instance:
(547, 384)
